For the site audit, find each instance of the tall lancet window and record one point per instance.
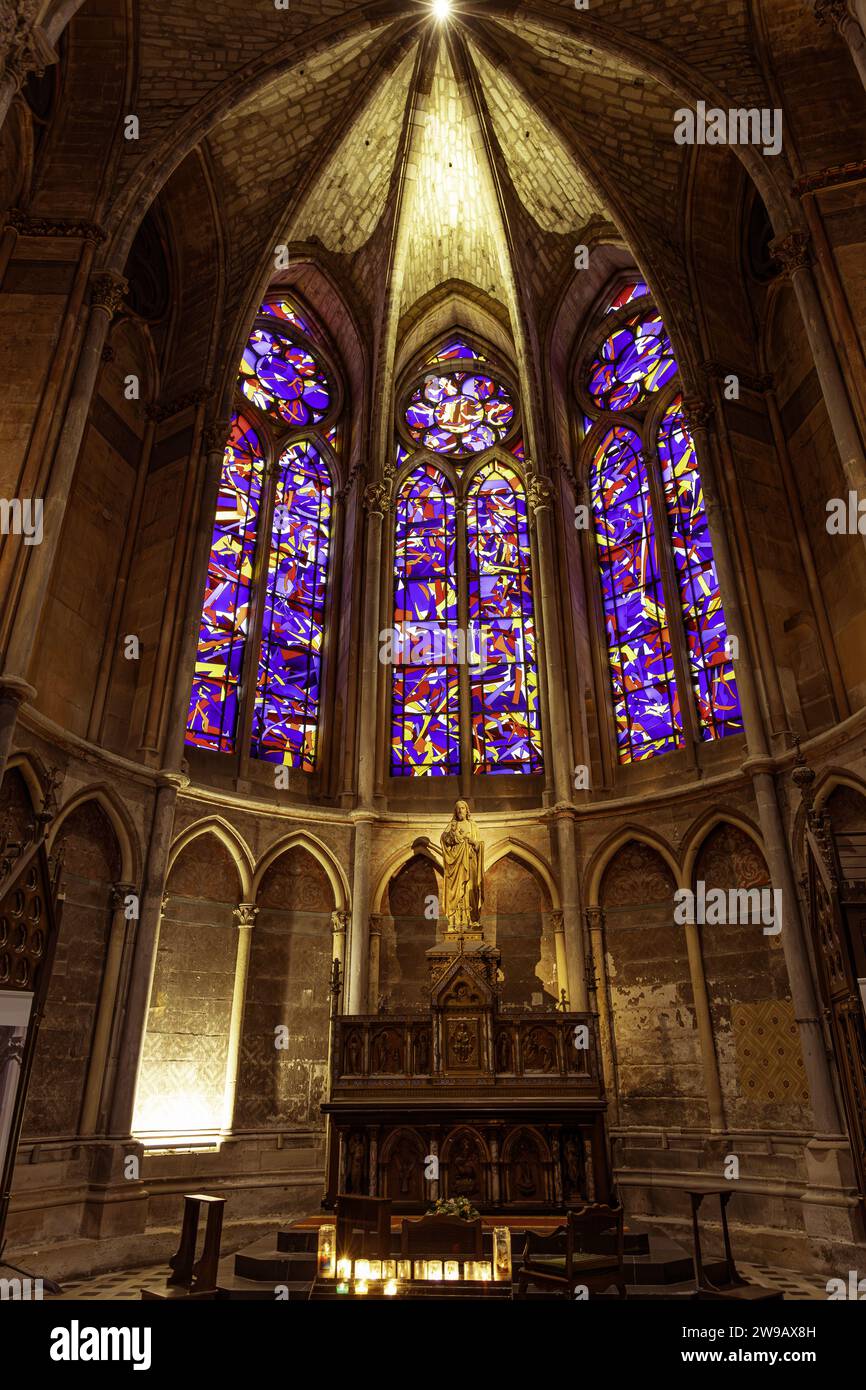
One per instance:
(258, 674)
(464, 671)
(668, 652)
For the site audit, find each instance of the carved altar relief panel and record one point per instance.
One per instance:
(526, 1166)
(402, 1165)
(464, 1166)
(463, 1044)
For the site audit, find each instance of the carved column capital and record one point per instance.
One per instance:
(697, 412)
(557, 921)
(375, 924)
(377, 499)
(107, 291)
(119, 894)
(539, 494)
(835, 12)
(792, 251)
(594, 918)
(215, 435)
(24, 46)
(245, 915)
(340, 920)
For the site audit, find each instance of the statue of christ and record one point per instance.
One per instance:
(463, 871)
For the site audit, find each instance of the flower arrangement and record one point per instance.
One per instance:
(454, 1206)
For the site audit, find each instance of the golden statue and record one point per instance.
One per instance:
(463, 871)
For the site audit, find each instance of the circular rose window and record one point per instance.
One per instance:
(283, 379)
(458, 414)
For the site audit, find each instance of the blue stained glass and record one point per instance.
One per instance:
(505, 721)
(712, 670)
(288, 685)
(646, 704)
(425, 724)
(212, 721)
(634, 360)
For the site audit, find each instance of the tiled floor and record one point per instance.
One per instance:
(125, 1286)
(794, 1286)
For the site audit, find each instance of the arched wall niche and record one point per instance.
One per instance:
(129, 871)
(755, 1032)
(520, 895)
(20, 795)
(408, 932)
(516, 913)
(93, 862)
(655, 1045)
(77, 614)
(182, 1077)
(840, 563)
(282, 1075)
(452, 307)
(845, 804)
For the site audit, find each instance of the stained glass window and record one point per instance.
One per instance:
(285, 718)
(635, 289)
(425, 715)
(213, 711)
(456, 347)
(633, 361)
(283, 379)
(279, 307)
(712, 671)
(459, 413)
(504, 687)
(646, 705)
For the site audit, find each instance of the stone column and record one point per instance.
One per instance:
(539, 504)
(245, 915)
(340, 923)
(359, 955)
(560, 953)
(373, 1152)
(759, 766)
(151, 911)
(838, 13)
(375, 951)
(377, 504)
(794, 252)
(495, 1175)
(107, 292)
(29, 51)
(595, 927)
(434, 1182)
(108, 1001)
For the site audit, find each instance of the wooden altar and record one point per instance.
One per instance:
(503, 1106)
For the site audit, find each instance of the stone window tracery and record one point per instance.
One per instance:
(258, 671)
(665, 627)
(464, 669)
